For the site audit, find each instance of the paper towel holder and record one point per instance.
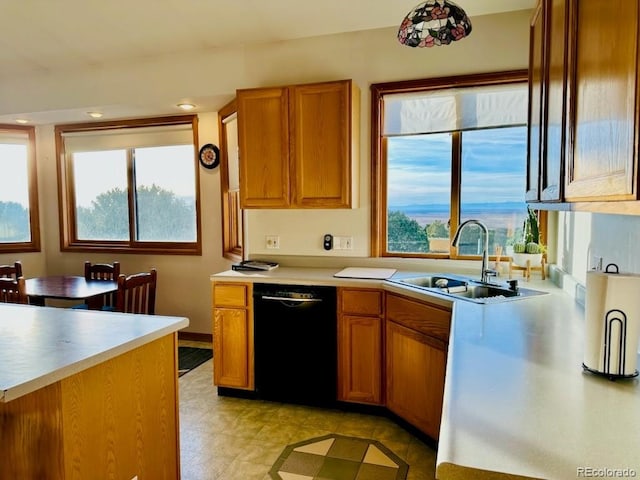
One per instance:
(606, 269)
(612, 317)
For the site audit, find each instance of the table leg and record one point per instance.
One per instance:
(39, 301)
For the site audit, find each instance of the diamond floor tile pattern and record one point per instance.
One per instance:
(337, 457)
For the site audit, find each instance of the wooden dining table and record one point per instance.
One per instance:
(69, 287)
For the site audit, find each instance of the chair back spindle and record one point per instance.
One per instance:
(137, 293)
(106, 272)
(13, 291)
(11, 271)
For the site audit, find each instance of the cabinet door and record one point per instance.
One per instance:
(263, 138)
(536, 92)
(605, 63)
(321, 144)
(415, 377)
(233, 347)
(553, 158)
(360, 359)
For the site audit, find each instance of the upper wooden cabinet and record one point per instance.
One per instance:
(605, 101)
(555, 101)
(583, 118)
(299, 145)
(548, 62)
(536, 100)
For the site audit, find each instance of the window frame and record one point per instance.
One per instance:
(230, 200)
(379, 161)
(69, 241)
(32, 182)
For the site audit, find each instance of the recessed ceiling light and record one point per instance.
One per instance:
(95, 114)
(186, 106)
(22, 120)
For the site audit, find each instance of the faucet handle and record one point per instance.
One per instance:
(488, 273)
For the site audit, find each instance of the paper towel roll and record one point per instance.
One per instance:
(607, 295)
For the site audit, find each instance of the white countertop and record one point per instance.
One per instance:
(516, 399)
(296, 276)
(42, 345)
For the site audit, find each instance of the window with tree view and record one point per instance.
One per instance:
(447, 155)
(132, 188)
(18, 197)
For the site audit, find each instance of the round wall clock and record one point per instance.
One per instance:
(209, 156)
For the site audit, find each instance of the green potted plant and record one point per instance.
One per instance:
(529, 249)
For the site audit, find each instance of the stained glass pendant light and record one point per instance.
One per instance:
(434, 23)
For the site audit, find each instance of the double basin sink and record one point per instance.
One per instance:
(467, 289)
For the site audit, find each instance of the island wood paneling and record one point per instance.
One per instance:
(31, 436)
(116, 420)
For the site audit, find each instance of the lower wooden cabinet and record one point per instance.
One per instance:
(360, 367)
(360, 359)
(232, 336)
(392, 349)
(415, 370)
(417, 338)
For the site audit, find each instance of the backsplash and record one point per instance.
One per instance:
(583, 238)
(615, 238)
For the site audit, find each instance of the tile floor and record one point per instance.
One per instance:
(224, 438)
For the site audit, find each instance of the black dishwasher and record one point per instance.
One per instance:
(295, 343)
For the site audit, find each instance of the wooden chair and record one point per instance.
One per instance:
(137, 293)
(103, 271)
(11, 271)
(13, 291)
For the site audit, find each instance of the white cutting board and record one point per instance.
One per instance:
(360, 272)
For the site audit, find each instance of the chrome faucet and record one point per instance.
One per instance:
(485, 272)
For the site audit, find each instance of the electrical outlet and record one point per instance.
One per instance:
(272, 241)
(342, 243)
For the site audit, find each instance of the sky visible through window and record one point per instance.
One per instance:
(98, 172)
(492, 179)
(13, 164)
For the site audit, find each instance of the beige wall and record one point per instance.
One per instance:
(498, 42)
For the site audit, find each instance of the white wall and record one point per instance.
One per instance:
(584, 237)
(498, 42)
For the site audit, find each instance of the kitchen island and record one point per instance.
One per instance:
(88, 394)
(516, 401)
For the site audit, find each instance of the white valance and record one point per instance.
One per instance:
(13, 137)
(455, 109)
(121, 138)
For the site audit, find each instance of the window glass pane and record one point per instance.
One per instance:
(493, 187)
(14, 195)
(100, 185)
(418, 193)
(165, 194)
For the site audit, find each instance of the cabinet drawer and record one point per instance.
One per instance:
(426, 318)
(360, 301)
(230, 295)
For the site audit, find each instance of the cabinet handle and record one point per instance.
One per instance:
(287, 299)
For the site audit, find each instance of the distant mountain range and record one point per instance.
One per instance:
(442, 208)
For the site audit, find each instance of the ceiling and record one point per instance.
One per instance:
(43, 37)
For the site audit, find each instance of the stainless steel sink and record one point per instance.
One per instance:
(434, 281)
(465, 288)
